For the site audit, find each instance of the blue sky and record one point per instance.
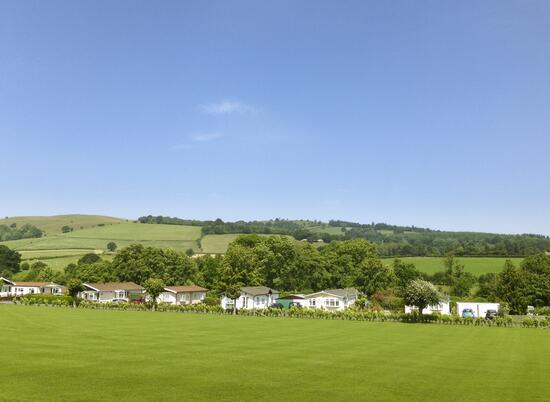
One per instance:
(429, 113)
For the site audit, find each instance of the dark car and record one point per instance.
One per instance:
(468, 313)
(119, 301)
(490, 314)
(294, 304)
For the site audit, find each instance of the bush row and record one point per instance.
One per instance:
(366, 315)
(42, 299)
(191, 308)
(349, 315)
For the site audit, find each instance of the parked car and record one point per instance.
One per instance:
(468, 313)
(294, 304)
(119, 301)
(490, 314)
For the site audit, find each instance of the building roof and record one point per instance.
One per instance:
(258, 290)
(347, 292)
(31, 284)
(292, 297)
(180, 289)
(111, 286)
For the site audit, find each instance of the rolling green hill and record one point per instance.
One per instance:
(51, 225)
(92, 233)
(59, 249)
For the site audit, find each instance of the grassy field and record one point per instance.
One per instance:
(58, 250)
(83, 355)
(52, 225)
(475, 265)
(99, 230)
(216, 244)
(58, 263)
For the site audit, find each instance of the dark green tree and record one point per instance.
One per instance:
(154, 287)
(405, 273)
(74, 286)
(89, 258)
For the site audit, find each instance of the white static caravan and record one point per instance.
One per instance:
(331, 299)
(108, 292)
(182, 295)
(479, 309)
(443, 308)
(252, 297)
(12, 288)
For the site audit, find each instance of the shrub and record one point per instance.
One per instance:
(528, 322)
(212, 300)
(47, 300)
(544, 311)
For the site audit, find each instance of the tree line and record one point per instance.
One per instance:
(298, 267)
(12, 232)
(392, 241)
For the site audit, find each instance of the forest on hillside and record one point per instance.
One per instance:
(392, 240)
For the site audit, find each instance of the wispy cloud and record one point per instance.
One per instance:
(205, 137)
(193, 140)
(226, 107)
(181, 147)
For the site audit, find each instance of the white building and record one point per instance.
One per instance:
(114, 291)
(182, 295)
(332, 299)
(252, 297)
(479, 309)
(20, 288)
(443, 308)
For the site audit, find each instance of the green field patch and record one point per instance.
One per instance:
(58, 264)
(137, 356)
(124, 234)
(332, 230)
(217, 244)
(43, 254)
(139, 231)
(475, 265)
(52, 225)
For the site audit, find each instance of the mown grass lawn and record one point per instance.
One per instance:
(64, 354)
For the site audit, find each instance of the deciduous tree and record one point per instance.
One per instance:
(421, 294)
(154, 287)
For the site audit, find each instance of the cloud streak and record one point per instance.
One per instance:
(207, 137)
(194, 140)
(226, 107)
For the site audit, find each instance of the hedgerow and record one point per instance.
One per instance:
(317, 314)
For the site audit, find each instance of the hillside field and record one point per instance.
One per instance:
(144, 356)
(475, 265)
(59, 249)
(52, 225)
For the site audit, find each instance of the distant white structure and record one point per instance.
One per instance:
(112, 291)
(252, 297)
(331, 299)
(443, 308)
(479, 309)
(182, 295)
(19, 288)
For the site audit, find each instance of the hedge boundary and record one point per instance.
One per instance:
(344, 315)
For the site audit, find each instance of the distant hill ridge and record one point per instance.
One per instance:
(80, 231)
